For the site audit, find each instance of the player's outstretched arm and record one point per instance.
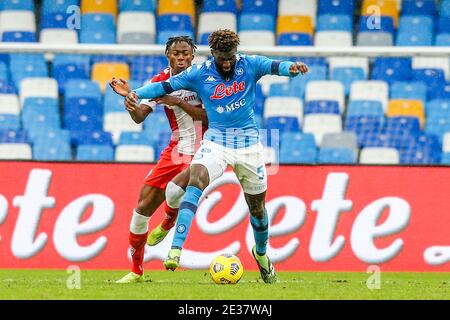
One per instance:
(292, 69)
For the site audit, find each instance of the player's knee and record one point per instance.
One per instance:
(199, 177)
(174, 195)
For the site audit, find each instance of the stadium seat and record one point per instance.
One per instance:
(38, 87)
(143, 68)
(336, 7)
(379, 155)
(14, 136)
(267, 80)
(131, 153)
(15, 151)
(333, 39)
(96, 137)
(177, 7)
(257, 38)
(27, 66)
(385, 8)
(322, 106)
(137, 5)
(19, 36)
(420, 62)
(87, 152)
(374, 39)
(412, 108)
(446, 143)
(438, 108)
(7, 87)
(9, 121)
(391, 69)
(326, 90)
(364, 125)
(59, 6)
(442, 40)
(369, 24)
(349, 62)
(219, 6)
(347, 140)
(296, 8)
(75, 104)
(409, 90)
(99, 6)
(83, 120)
(414, 7)
(372, 90)
(294, 24)
(365, 107)
(409, 39)
(402, 126)
(212, 21)
(336, 156)
(58, 36)
(116, 122)
(103, 73)
(52, 152)
(444, 10)
(334, 22)
(256, 22)
(17, 20)
(416, 24)
(445, 159)
(320, 124)
(290, 156)
(137, 138)
(136, 28)
(347, 76)
(65, 72)
(9, 104)
(283, 107)
(49, 134)
(82, 88)
(259, 7)
(433, 78)
(17, 5)
(437, 126)
(97, 28)
(283, 124)
(295, 39)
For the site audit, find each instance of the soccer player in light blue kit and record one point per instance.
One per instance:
(226, 84)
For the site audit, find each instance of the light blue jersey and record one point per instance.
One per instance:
(229, 104)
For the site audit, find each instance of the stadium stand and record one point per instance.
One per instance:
(352, 109)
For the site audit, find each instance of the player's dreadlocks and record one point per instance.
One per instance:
(173, 40)
(223, 40)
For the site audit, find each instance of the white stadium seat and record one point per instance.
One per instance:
(15, 151)
(349, 62)
(9, 103)
(326, 90)
(298, 8)
(131, 153)
(136, 28)
(269, 79)
(211, 21)
(257, 38)
(321, 124)
(38, 87)
(284, 107)
(333, 39)
(58, 36)
(116, 122)
(372, 155)
(17, 20)
(432, 62)
(446, 143)
(370, 90)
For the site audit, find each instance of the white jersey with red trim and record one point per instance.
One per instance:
(187, 132)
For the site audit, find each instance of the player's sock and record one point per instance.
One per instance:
(138, 238)
(186, 214)
(170, 218)
(260, 232)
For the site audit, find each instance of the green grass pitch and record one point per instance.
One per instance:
(197, 285)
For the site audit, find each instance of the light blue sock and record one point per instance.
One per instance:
(260, 232)
(185, 215)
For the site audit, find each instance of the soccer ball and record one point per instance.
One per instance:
(226, 269)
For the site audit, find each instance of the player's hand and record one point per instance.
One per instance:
(131, 102)
(120, 86)
(168, 100)
(298, 67)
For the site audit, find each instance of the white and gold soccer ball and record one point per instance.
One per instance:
(226, 269)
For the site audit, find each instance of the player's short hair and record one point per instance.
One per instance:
(223, 40)
(174, 40)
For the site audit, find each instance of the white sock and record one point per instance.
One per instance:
(139, 223)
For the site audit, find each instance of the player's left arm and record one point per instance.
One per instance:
(264, 66)
(196, 113)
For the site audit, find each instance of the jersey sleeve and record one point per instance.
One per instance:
(149, 102)
(264, 66)
(185, 80)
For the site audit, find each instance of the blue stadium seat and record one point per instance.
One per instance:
(444, 11)
(380, 140)
(347, 75)
(295, 39)
(364, 124)
(80, 104)
(137, 5)
(112, 101)
(137, 138)
(336, 156)
(283, 124)
(445, 158)
(56, 151)
(443, 93)
(298, 140)
(365, 108)
(157, 124)
(410, 39)
(17, 5)
(87, 152)
(4, 71)
(113, 58)
(402, 126)
(283, 90)
(54, 20)
(82, 89)
(171, 22)
(66, 72)
(14, 136)
(256, 21)
(98, 37)
(391, 69)
(19, 36)
(439, 108)
(163, 36)
(443, 25)
(7, 87)
(433, 78)
(417, 156)
(366, 24)
(219, 6)
(40, 104)
(437, 126)
(293, 156)
(334, 22)
(9, 121)
(422, 7)
(443, 40)
(316, 73)
(97, 28)
(83, 120)
(44, 116)
(50, 134)
(93, 137)
(319, 106)
(430, 143)
(346, 7)
(59, 6)
(81, 60)
(24, 65)
(416, 24)
(408, 90)
(260, 6)
(143, 68)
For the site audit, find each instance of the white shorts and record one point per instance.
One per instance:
(248, 164)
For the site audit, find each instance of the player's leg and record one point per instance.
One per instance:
(175, 191)
(150, 198)
(209, 163)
